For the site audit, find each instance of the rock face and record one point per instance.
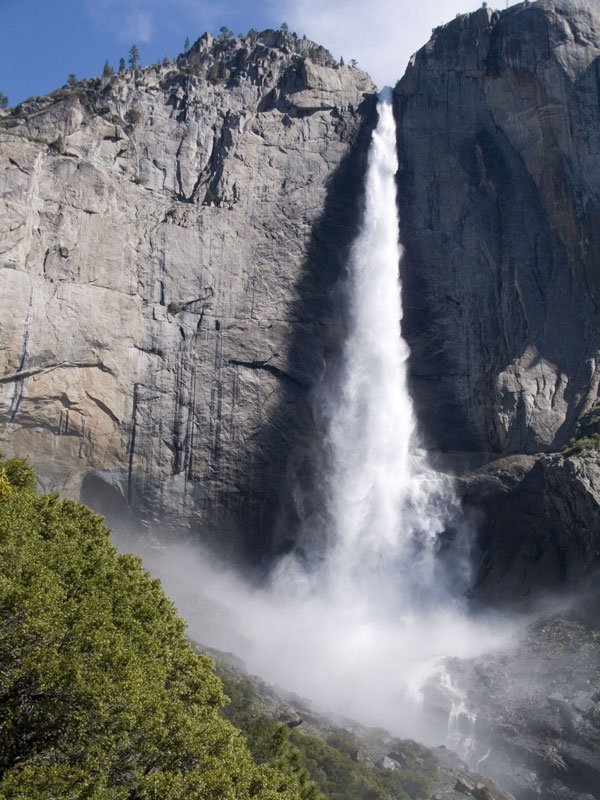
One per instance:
(499, 184)
(535, 709)
(165, 275)
(538, 521)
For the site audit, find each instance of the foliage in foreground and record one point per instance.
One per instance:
(331, 764)
(101, 696)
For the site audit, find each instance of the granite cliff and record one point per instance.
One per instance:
(500, 206)
(165, 276)
(499, 192)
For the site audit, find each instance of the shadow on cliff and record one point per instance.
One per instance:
(290, 444)
(501, 237)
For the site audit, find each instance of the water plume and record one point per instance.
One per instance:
(359, 616)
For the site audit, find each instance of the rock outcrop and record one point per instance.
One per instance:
(165, 275)
(499, 192)
(534, 721)
(538, 522)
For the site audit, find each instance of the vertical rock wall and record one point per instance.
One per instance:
(499, 191)
(168, 239)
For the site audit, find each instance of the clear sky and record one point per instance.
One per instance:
(42, 41)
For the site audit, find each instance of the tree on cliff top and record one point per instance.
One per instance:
(134, 57)
(101, 696)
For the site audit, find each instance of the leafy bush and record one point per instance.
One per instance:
(340, 778)
(58, 144)
(268, 740)
(101, 696)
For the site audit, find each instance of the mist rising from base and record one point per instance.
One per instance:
(337, 655)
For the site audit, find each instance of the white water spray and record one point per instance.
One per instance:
(371, 424)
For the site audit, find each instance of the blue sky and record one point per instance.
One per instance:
(42, 41)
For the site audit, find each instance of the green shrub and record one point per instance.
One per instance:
(58, 144)
(329, 765)
(19, 473)
(133, 116)
(584, 443)
(174, 308)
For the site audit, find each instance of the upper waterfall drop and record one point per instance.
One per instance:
(384, 508)
(372, 425)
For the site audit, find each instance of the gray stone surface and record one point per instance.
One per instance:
(536, 708)
(164, 274)
(499, 147)
(538, 525)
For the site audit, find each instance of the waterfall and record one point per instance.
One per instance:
(371, 426)
(360, 616)
(384, 508)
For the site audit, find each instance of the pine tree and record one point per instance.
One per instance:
(3, 100)
(121, 65)
(108, 70)
(134, 57)
(186, 44)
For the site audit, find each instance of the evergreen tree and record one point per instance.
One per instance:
(101, 696)
(121, 65)
(108, 70)
(134, 57)
(186, 44)
(3, 100)
(72, 79)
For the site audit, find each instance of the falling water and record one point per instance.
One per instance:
(361, 615)
(372, 424)
(385, 508)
